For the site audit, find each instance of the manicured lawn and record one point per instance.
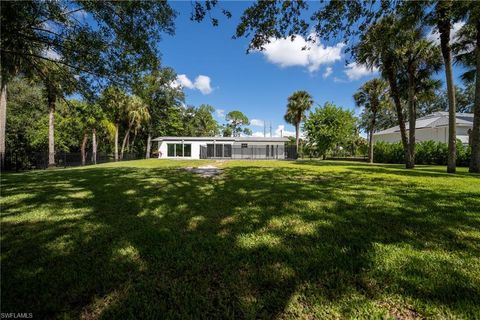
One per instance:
(266, 239)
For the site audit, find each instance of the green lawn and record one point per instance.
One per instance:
(266, 239)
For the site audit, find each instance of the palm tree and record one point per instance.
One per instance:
(443, 17)
(420, 59)
(114, 100)
(205, 124)
(378, 48)
(404, 58)
(467, 50)
(372, 96)
(57, 81)
(298, 103)
(137, 114)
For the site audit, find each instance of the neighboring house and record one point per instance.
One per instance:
(222, 148)
(432, 127)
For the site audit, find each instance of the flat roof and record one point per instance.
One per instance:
(235, 139)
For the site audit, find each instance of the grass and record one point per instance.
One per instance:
(266, 239)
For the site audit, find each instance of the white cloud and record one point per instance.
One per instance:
(281, 132)
(220, 113)
(184, 81)
(434, 35)
(257, 134)
(256, 123)
(201, 83)
(355, 71)
(327, 73)
(287, 53)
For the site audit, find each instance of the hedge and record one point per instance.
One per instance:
(426, 152)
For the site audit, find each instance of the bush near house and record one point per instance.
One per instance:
(426, 152)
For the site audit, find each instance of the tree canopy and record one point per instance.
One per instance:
(329, 126)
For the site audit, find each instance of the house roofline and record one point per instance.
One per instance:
(234, 139)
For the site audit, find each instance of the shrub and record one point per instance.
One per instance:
(426, 152)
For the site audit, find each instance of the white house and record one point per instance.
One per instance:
(431, 127)
(221, 148)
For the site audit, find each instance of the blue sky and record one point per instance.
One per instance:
(257, 84)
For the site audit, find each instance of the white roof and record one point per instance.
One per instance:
(434, 120)
(235, 139)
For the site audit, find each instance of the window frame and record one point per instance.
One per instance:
(189, 145)
(168, 149)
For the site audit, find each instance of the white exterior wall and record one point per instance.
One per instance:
(439, 134)
(163, 149)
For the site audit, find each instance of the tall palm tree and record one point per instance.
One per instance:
(137, 114)
(400, 52)
(372, 96)
(298, 104)
(420, 58)
(444, 20)
(467, 52)
(378, 49)
(114, 100)
(57, 81)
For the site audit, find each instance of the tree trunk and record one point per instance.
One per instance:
(444, 26)
(83, 148)
(3, 119)
(124, 143)
(116, 141)
(51, 128)
(94, 146)
(411, 119)
(297, 136)
(132, 145)
(475, 134)
(398, 107)
(149, 145)
(370, 140)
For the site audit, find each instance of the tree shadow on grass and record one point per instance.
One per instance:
(396, 169)
(253, 243)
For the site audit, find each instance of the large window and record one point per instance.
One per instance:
(187, 150)
(227, 150)
(179, 149)
(219, 150)
(171, 150)
(210, 150)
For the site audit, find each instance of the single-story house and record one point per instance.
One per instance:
(431, 127)
(222, 148)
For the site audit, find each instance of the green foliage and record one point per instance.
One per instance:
(328, 127)
(426, 152)
(27, 116)
(236, 120)
(464, 97)
(164, 101)
(199, 122)
(226, 131)
(97, 40)
(298, 104)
